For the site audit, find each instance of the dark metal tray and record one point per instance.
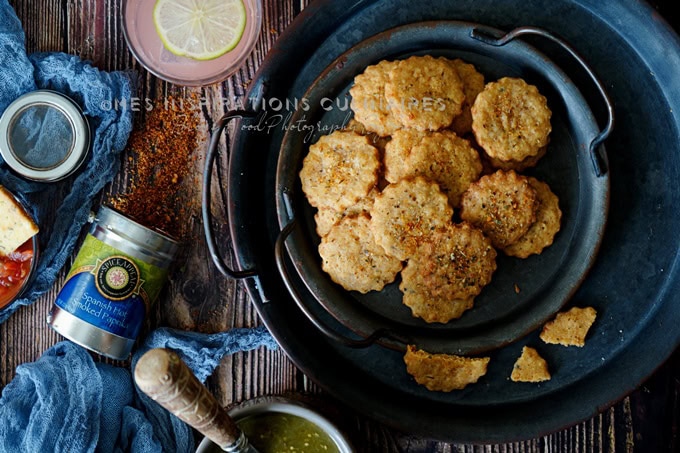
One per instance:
(633, 283)
(574, 166)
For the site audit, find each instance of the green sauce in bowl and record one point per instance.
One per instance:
(277, 432)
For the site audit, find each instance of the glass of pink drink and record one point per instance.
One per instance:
(148, 49)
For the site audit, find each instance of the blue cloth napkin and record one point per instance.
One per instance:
(96, 92)
(66, 402)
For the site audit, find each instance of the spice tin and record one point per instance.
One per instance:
(44, 136)
(118, 273)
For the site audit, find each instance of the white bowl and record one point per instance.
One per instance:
(271, 404)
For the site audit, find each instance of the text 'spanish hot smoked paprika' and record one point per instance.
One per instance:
(117, 275)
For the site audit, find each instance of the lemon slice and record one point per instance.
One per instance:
(200, 29)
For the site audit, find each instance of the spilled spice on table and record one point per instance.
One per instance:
(161, 158)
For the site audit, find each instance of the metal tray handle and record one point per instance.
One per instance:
(356, 343)
(206, 195)
(599, 161)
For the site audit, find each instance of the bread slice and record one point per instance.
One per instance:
(16, 226)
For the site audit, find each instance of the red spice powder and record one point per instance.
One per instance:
(160, 159)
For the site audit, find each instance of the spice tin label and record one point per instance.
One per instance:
(109, 289)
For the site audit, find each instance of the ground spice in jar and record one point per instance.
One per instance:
(160, 159)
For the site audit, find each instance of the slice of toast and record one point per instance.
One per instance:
(16, 226)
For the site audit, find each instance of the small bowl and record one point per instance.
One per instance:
(148, 49)
(31, 244)
(275, 404)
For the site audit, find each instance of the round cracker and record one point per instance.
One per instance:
(339, 170)
(447, 271)
(542, 233)
(406, 213)
(503, 205)
(353, 259)
(511, 119)
(448, 160)
(369, 104)
(425, 93)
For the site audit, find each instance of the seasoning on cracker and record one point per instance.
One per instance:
(352, 258)
(511, 119)
(442, 157)
(443, 372)
(442, 278)
(530, 367)
(339, 170)
(569, 328)
(406, 214)
(16, 226)
(424, 92)
(502, 204)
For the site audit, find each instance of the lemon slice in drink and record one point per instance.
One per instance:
(199, 29)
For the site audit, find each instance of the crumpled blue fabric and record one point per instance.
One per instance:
(67, 402)
(96, 92)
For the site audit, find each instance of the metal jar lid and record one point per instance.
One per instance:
(44, 136)
(133, 238)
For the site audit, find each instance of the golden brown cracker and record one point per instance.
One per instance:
(352, 258)
(511, 119)
(454, 264)
(406, 213)
(502, 204)
(442, 157)
(448, 160)
(424, 92)
(542, 233)
(369, 104)
(444, 372)
(569, 328)
(530, 367)
(339, 170)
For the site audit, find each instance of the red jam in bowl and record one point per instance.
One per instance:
(15, 269)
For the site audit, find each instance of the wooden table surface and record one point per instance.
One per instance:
(199, 298)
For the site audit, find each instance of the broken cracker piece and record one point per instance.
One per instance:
(530, 367)
(443, 372)
(569, 328)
